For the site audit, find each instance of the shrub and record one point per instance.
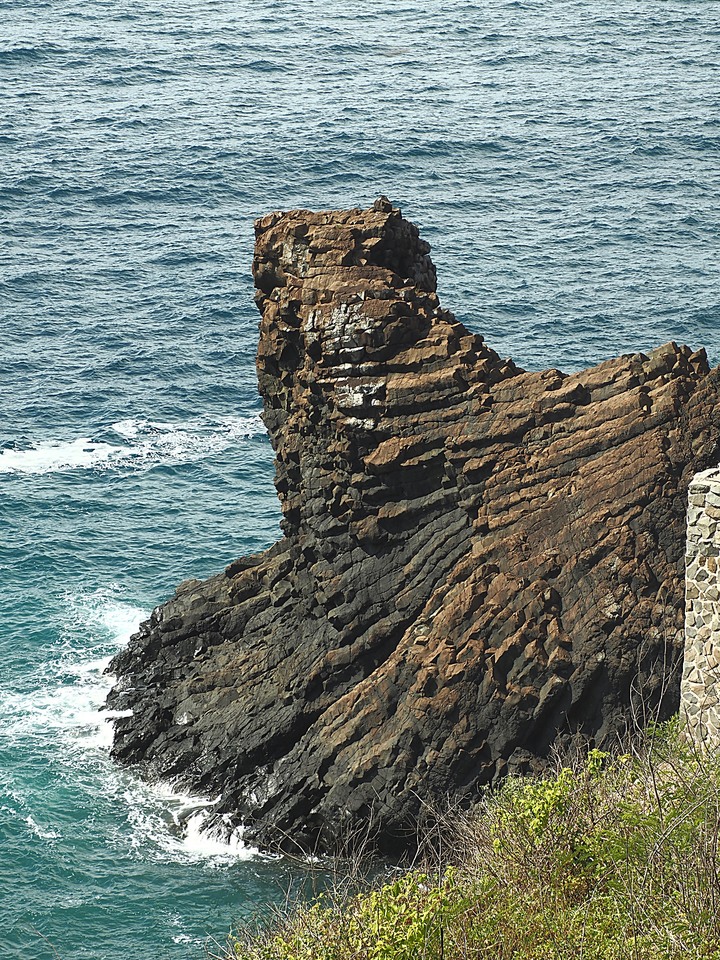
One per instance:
(401, 920)
(610, 858)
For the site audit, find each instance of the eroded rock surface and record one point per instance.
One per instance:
(476, 560)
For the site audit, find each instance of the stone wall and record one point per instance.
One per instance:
(700, 691)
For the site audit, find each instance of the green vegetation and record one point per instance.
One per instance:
(612, 858)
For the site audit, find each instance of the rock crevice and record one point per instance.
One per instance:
(477, 561)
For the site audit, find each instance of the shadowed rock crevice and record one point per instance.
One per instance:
(477, 561)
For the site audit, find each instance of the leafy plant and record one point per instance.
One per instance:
(611, 858)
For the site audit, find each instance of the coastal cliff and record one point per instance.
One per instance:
(477, 561)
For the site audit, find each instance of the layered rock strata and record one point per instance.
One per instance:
(700, 689)
(477, 561)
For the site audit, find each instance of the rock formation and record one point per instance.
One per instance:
(477, 561)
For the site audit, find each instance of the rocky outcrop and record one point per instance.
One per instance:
(477, 561)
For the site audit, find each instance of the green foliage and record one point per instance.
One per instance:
(402, 920)
(612, 858)
(532, 806)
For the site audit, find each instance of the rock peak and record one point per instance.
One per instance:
(383, 205)
(478, 562)
(350, 326)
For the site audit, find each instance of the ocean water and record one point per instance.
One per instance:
(561, 157)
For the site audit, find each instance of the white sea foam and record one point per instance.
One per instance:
(171, 825)
(62, 714)
(200, 942)
(67, 696)
(42, 832)
(142, 444)
(55, 455)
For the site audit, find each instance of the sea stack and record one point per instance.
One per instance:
(478, 562)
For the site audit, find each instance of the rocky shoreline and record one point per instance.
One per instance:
(477, 562)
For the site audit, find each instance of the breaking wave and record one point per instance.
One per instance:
(58, 713)
(131, 444)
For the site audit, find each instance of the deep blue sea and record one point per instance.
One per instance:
(561, 156)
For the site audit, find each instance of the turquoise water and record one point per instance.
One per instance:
(561, 158)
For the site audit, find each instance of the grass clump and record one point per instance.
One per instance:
(611, 857)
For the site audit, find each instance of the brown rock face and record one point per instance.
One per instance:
(477, 560)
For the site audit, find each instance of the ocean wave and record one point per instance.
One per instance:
(29, 52)
(59, 713)
(43, 833)
(66, 697)
(169, 825)
(266, 66)
(145, 444)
